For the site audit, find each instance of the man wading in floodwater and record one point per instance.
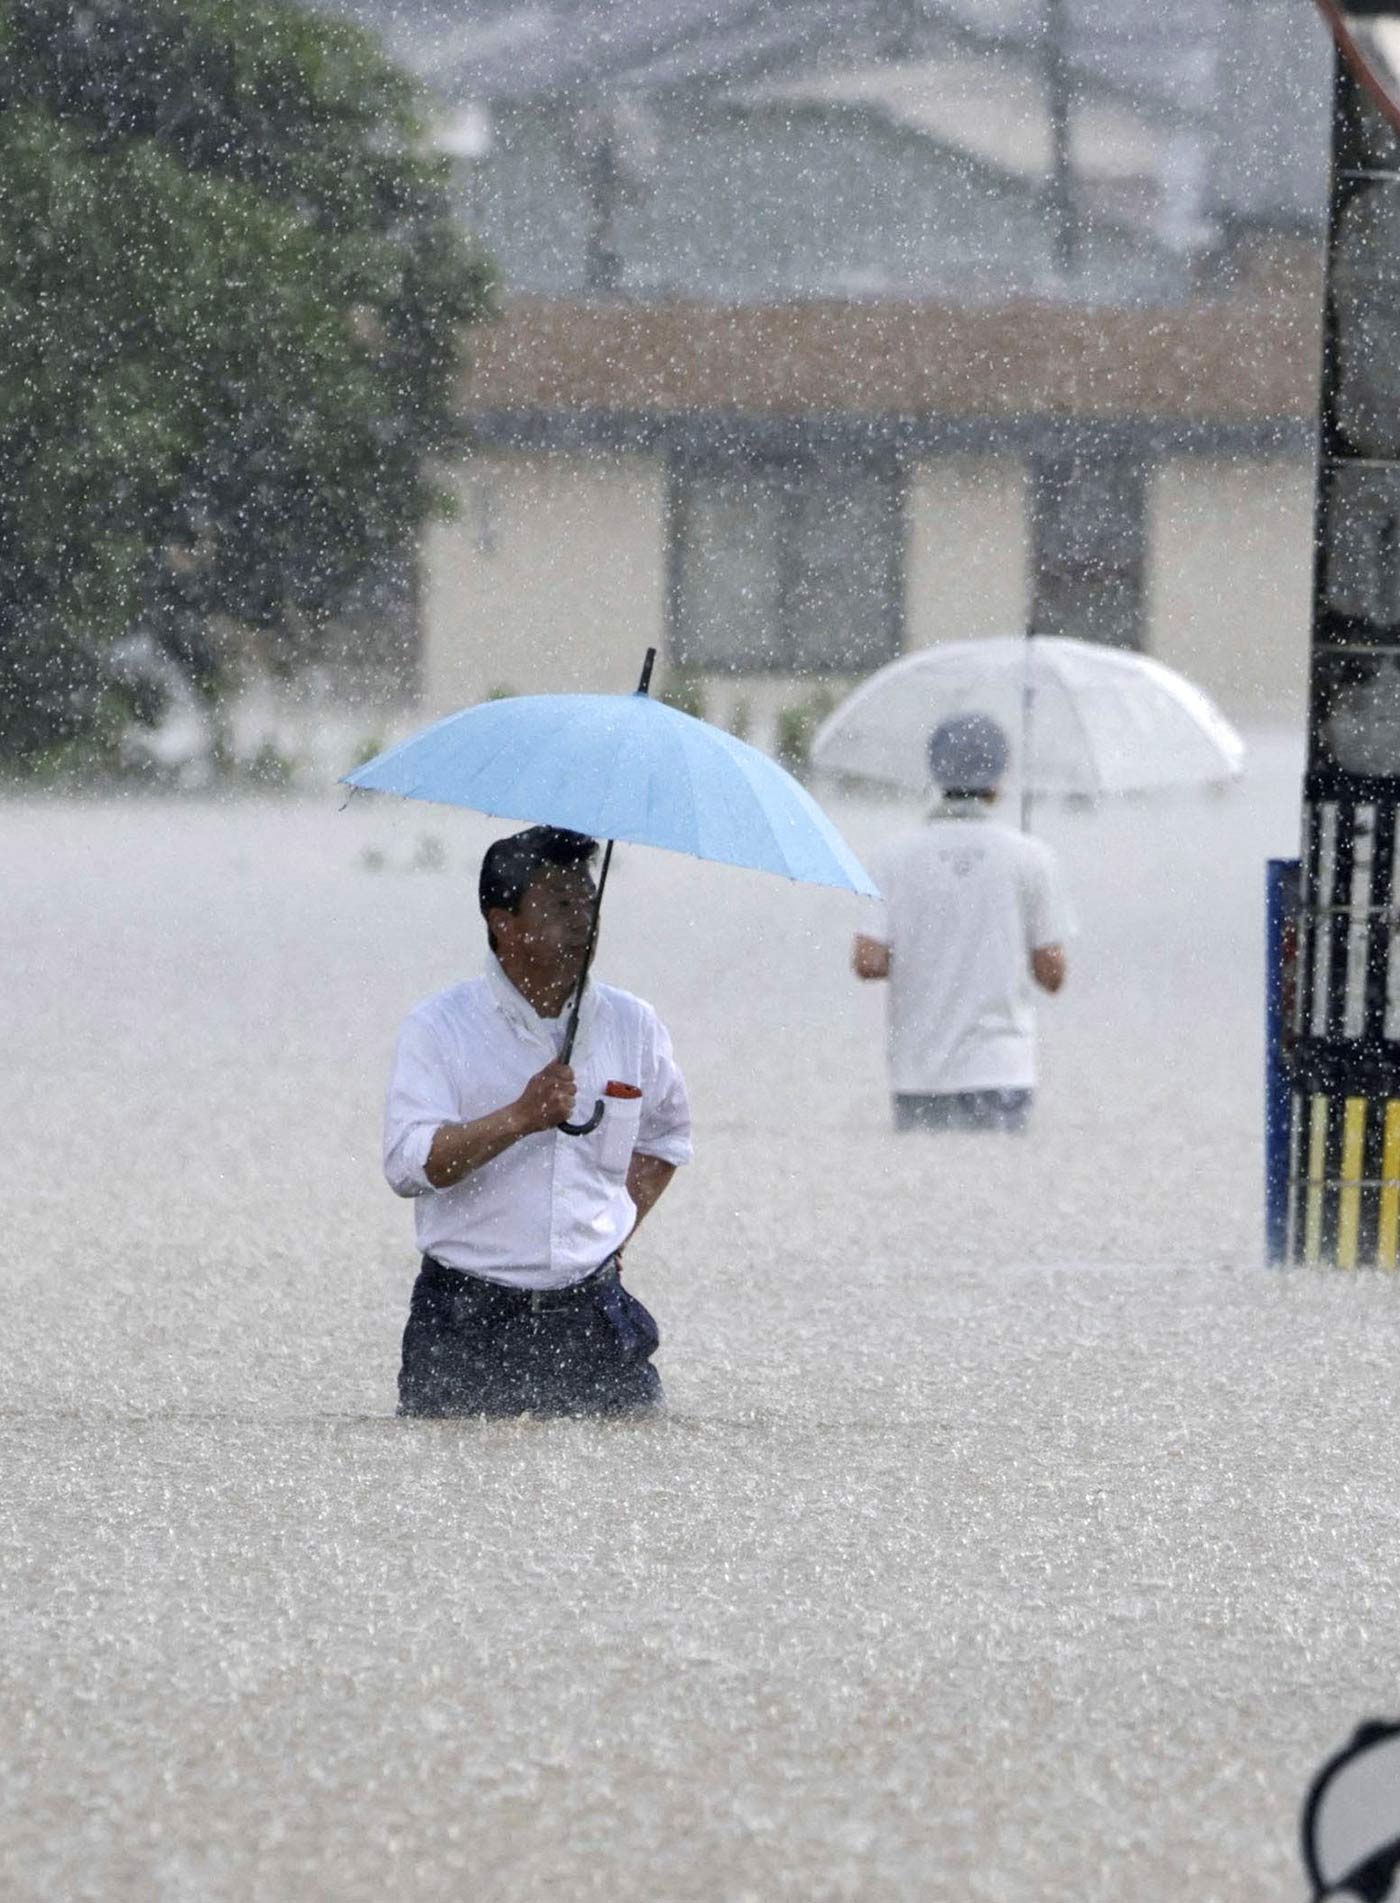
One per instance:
(518, 1305)
(973, 919)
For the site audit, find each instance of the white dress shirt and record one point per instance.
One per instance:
(965, 903)
(551, 1208)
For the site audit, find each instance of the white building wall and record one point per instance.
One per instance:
(551, 577)
(1230, 579)
(966, 574)
(968, 549)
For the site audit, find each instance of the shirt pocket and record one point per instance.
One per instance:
(622, 1118)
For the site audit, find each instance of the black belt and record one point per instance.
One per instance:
(459, 1282)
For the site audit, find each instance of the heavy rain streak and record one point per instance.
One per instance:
(1008, 1511)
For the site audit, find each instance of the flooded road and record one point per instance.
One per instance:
(1012, 1533)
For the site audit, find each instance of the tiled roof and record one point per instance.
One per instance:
(1249, 360)
(1253, 76)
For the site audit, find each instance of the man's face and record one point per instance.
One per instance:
(549, 933)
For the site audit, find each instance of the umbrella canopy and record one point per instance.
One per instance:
(623, 767)
(620, 767)
(1080, 718)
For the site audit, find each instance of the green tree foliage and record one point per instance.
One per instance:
(231, 309)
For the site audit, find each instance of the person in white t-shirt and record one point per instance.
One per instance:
(973, 920)
(518, 1306)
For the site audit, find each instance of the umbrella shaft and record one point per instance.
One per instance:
(643, 687)
(1027, 718)
(568, 1048)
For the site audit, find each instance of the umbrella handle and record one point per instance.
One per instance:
(582, 1129)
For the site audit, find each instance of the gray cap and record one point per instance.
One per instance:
(967, 754)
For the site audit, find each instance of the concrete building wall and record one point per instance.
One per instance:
(785, 199)
(1230, 579)
(967, 550)
(550, 577)
(966, 574)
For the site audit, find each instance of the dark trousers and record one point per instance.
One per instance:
(476, 1347)
(1007, 1110)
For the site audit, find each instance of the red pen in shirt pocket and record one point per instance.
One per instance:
(614, 1089)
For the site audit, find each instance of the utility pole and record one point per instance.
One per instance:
(1059, 104)
(595, 150)
(1343, 1204)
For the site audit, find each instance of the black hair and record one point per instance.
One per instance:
(510, 864)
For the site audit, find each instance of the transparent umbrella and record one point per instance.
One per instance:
(1080, 718)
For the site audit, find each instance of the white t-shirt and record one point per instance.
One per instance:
(966, 901)
(552, 1207)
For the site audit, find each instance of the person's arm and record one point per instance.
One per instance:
(459, 1148)
(663, 1131)
(1049, 921)
(647, 1179)
(870, 957)
(1049, 966)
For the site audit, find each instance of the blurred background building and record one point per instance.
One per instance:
(832, 329)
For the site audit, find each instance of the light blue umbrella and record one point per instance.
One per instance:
(620, 766)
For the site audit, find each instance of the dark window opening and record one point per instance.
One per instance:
(786, 567)
(1088, 545)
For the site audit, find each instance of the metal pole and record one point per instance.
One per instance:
(571, 1032)
(1344, 1174)
(1027, 728)
(1280, 979)
(567, 1049)
(596, 143)
(1058, 106)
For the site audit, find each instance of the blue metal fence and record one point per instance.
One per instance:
(1280, 931)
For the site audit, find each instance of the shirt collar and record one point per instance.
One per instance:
(944, 808)
(522, 1014)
